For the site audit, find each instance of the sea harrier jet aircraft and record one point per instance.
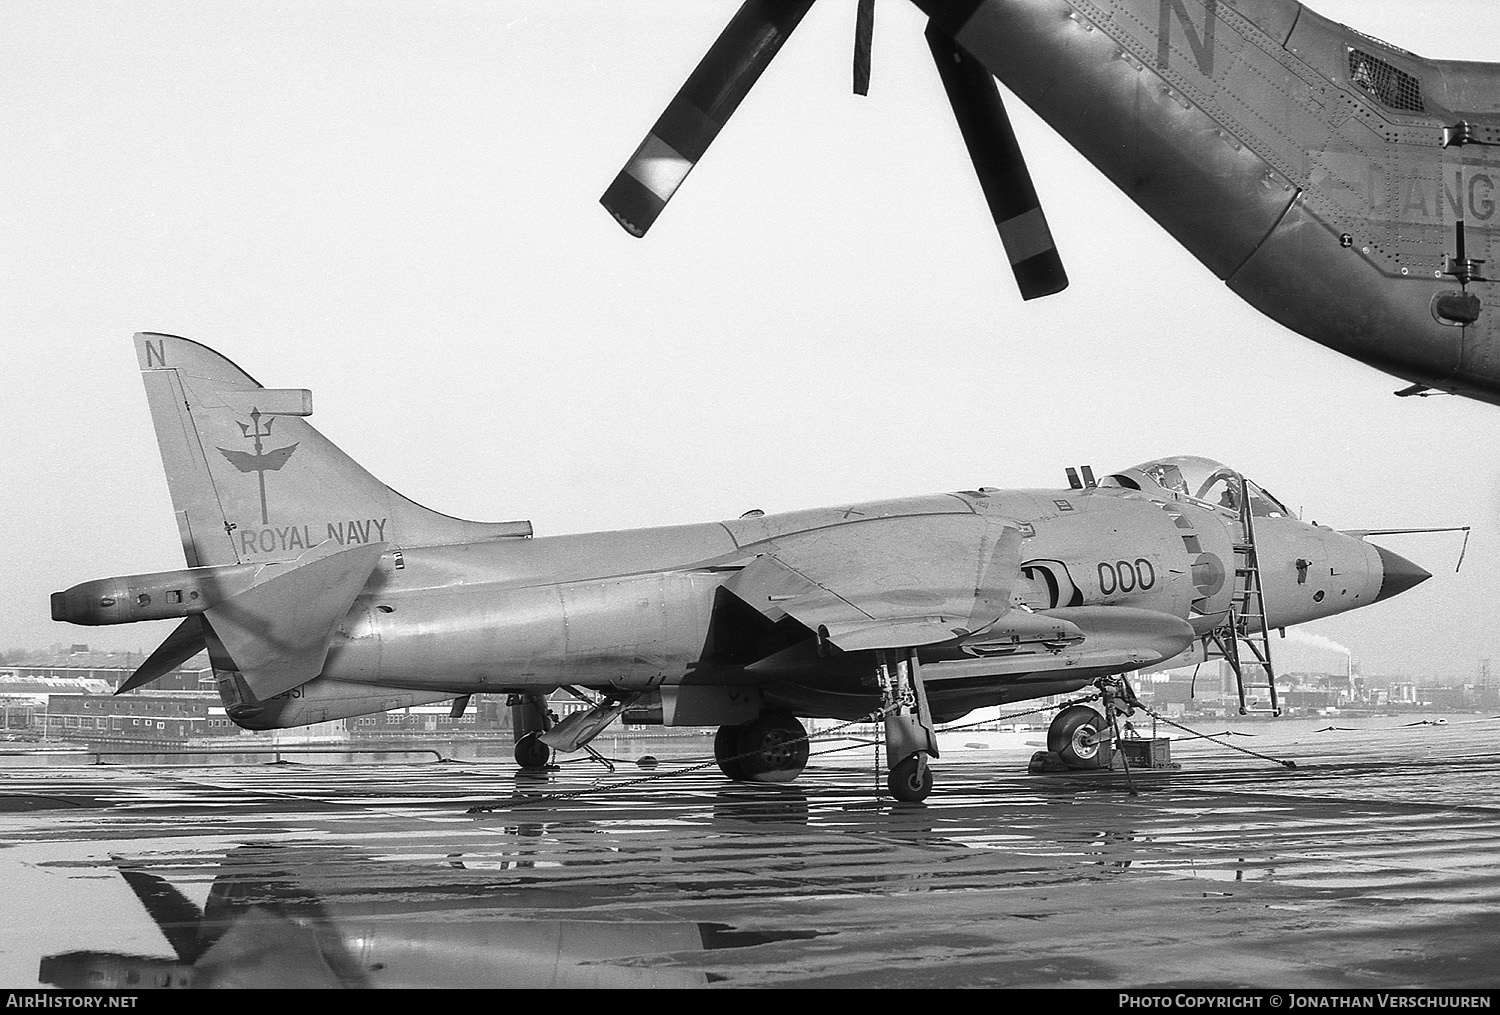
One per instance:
(320, 593)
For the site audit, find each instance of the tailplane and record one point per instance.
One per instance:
(275, 631)
(252, 481)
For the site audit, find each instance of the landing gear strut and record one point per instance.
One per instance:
(770, 748)
(909, 736)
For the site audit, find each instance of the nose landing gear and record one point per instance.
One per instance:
(1079, 737)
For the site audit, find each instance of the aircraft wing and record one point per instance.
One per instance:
(888, 582)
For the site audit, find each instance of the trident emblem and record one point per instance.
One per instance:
(261, 461)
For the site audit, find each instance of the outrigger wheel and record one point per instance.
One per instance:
(910, 780)
(1078, 736)
(531, 752)
(770, 748)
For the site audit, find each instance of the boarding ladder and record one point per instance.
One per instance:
(1245, 626)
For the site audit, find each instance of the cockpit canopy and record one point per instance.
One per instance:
(1188, 477)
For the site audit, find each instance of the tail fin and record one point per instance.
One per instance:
(252, 481)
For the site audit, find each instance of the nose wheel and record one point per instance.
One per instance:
(1078, 736)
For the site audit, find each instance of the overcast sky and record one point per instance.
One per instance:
(396, 205)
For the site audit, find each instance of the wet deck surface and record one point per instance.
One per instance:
(1374, 864)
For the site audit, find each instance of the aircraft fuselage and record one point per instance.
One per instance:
(1321, 173)
(645, 609)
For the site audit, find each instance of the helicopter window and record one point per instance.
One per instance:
(1387, 84)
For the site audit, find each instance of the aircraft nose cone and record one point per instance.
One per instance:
(1398, 574)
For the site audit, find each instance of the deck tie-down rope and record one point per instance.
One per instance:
(600, 785)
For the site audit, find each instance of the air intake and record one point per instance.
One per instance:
(1388, 85)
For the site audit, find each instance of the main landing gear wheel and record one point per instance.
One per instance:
(910, 781)
(531, 752)
(1078, 735)
(771, 748)
(726, 746)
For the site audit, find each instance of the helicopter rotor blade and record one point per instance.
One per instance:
(864, 32)
(1001, 166)
(699, 111)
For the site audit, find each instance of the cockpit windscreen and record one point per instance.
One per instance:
(1200, 479)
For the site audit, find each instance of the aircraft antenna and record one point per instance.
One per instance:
(1461, 266)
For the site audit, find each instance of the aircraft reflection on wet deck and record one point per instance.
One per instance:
(1374, 864)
